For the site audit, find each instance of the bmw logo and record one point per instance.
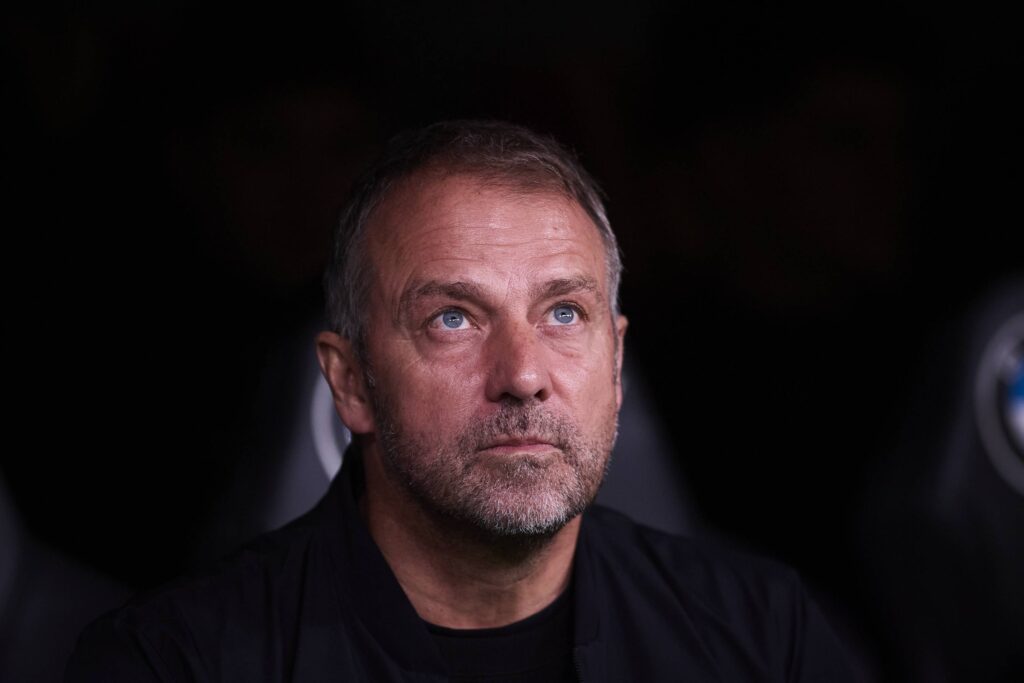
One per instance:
(999, 401)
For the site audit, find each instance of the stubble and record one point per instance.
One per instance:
(519, 496)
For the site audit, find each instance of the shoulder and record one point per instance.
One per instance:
(269, 565)
(748, 616)
(707, 569)
(179, 631)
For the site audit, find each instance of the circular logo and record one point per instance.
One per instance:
(999, 401)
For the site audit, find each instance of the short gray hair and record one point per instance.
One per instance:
(493, 151)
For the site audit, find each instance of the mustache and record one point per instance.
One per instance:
(519, 421)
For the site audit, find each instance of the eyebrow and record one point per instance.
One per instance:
(459, 291)
(569, 285)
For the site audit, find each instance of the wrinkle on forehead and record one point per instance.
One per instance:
(425, 192)
(458, 228)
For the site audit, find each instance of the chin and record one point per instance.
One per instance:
(524, 513)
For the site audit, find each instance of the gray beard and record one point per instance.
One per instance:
(527, 498)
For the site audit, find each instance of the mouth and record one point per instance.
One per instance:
(522, 444)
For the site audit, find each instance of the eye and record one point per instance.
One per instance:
(451, 319)
(564, 314)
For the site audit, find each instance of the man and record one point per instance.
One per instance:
(476, 357)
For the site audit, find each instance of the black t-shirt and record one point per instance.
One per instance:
(537, 649)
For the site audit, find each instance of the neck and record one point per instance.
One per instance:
(457, 576)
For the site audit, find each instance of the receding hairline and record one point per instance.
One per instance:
(518, 181)
(515, 184)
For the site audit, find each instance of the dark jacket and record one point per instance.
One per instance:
(316, 601)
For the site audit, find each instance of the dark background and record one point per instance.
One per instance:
(805, 200)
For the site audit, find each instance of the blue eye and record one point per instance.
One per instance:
(453, 320)
(564, 314)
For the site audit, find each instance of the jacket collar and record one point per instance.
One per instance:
(590, 609)
(367, 585)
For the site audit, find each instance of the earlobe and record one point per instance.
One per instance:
(344, 374)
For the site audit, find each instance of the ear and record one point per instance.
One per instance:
(621, 323)
(344, 374)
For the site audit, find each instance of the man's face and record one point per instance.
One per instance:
(492, 352)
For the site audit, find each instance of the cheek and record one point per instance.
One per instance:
(435, 397)
(590, 386)
(586, 369)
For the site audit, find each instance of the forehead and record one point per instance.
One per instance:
(435, 225)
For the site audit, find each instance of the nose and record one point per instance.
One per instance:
(518, 367)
